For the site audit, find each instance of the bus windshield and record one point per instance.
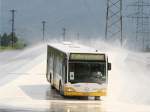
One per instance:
(87, 72)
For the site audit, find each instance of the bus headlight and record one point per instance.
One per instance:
(102, 90)
(69, 89)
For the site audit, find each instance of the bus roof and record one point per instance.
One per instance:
(68, 47)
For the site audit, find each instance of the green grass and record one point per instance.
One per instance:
(2, 48)
(16, 46)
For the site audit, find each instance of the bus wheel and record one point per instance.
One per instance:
(50, 78)
(52, 87)
(47, 77)
(97, 97)
(61, 90)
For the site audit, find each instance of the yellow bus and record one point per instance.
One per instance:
(77, 70)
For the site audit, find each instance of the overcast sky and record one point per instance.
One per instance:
(84, 16)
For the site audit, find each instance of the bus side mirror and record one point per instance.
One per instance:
(109, 66)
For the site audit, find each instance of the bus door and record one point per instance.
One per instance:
(64, 71)
(55, 69)
(52, 68)
(64, 66)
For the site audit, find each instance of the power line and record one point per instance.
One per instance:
(64, 34)
(78, 36)
(43, 30)
(0, 39)
(142, 21)
(13, 25)
(114, 20)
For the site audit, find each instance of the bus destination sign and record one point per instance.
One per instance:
(85, 56)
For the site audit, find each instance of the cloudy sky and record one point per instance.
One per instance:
(86, 17)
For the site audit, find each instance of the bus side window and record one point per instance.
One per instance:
(54, 64)
(51, 62)
(64, 68)
(59, 65)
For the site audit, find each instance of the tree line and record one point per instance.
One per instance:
(147, 48)
(6, 40)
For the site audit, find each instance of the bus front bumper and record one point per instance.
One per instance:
(99, 93)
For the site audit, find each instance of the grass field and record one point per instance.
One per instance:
(16, 46)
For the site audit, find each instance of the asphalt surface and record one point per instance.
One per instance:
(23, 85)
(23, 88)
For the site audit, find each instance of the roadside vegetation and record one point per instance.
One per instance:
(147, 49)
(7, 43)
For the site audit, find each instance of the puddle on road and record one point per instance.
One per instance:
(45, 92)
(35, 92)
(59, 107)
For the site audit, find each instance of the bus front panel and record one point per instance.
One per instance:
(86, 79)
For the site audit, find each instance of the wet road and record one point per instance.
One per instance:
(60, 108)
(29, 96)
(23, 88)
